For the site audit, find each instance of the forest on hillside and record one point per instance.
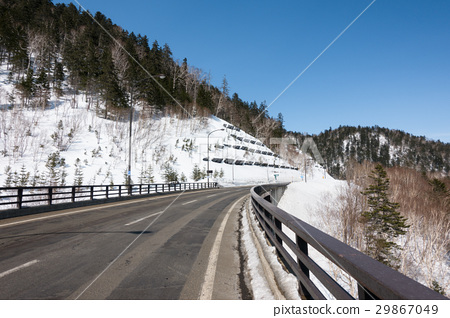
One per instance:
(47, 46)
(390, 147)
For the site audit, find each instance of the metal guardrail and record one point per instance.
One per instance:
(21, 197)
(375, 280)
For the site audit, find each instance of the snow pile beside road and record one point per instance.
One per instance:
(268, 279)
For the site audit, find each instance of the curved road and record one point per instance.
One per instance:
(153, 248)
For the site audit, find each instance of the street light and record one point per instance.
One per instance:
(161, 76)
(207, 169)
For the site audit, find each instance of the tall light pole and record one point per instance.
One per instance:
(207, 169)
(161, 76)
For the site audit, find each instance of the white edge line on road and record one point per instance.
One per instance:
(142, 219)
(15, 269)
(208, 283)
(212, 195)
(189, 202)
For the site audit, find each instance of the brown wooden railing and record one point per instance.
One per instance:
(21, 197)
(375, 280)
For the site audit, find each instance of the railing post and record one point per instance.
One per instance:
(120, 190)
(107, 192)
(140, 189)
(92, 193)
(279, 226)
(19, 197)
(73, 194)
(303, 246)
(50, 193)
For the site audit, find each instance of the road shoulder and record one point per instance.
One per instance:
(225, 284)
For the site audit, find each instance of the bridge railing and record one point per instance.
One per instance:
(375, 280)
(21, 197)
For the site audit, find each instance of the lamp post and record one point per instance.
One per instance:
(207, 169)
(161, 76)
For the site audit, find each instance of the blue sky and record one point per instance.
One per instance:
(391, 68)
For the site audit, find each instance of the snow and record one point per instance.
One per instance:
(75, 127)
(422, 259)
(301, 200)
(252, 237)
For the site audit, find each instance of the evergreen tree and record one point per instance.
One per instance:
(146, 175)
(204, 98)
(58, 79)
(9, 177)
(78, 176)
(56, 169)
(27, 86)
(383, 222)
(24, 176)
(196, 173)
(170, 174)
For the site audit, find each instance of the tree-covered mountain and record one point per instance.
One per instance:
(389, 147)
(46, 45)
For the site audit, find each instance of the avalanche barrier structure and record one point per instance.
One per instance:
(375, 280)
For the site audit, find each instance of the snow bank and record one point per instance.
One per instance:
(253, 238)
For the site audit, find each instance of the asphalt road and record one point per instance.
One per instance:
(153, 248)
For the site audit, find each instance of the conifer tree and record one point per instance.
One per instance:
(78, 177)
(196, 173)
(23, 177)
(383, 223)
(169, 173)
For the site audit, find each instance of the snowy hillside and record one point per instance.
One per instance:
(322, 202)
(68, 143)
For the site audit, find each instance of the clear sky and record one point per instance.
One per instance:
(391, 68)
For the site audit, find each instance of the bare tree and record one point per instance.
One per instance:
(225, 91)
(178, 73)
(120, 60)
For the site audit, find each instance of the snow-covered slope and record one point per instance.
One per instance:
(321, 202)
(95, 150)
